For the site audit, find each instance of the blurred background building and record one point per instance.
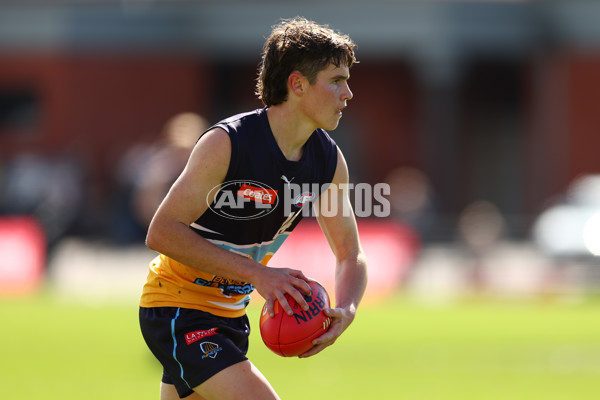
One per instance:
(458, 104)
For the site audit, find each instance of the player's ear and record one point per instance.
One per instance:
(297, 83)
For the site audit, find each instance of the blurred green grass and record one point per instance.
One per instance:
(477, 350)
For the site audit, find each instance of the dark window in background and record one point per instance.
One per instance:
(493, 134)
(20, 110)
(234, 90)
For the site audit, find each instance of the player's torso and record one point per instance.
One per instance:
(253, 212)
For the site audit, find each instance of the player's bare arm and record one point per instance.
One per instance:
(169, 231)
(351, 265)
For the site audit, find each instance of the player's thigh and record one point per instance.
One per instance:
(241, 381)
(168, 392)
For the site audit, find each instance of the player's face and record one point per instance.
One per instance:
(328, 96)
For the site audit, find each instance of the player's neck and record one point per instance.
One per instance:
(290, 131)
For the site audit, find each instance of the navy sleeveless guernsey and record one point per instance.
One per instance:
(254, 210)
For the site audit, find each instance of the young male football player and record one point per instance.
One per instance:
(225, 217)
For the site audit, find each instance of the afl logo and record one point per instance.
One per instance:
(242, 199)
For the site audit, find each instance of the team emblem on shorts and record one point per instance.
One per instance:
(210, 349)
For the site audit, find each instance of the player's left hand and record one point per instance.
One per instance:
(341, 318)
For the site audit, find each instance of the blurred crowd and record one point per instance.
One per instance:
(53, 190)
(146, 172)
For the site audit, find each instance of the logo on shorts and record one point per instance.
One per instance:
(210, 349)
(197, 335)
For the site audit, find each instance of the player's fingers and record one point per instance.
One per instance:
(269, 303)
(300, 281)
(303, 286)
(284, 303)
(300, 275)
(299, 298)
(336, 313)
(327, 338)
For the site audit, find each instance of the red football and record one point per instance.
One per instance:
(292, 335)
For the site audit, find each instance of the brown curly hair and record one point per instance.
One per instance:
(298, 44)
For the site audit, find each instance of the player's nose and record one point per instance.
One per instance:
(347, 93)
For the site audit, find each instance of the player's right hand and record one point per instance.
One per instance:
(274, 283)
